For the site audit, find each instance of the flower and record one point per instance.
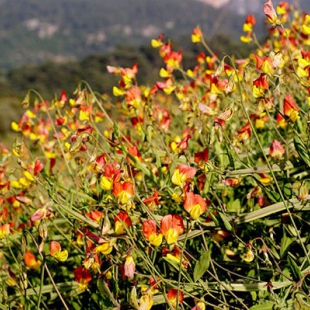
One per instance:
(129, 267)
(197, 35)
(173, 295)
(31, 261)
(55, 251)
(265, 179)
(104, 248)
(244, 133)
(171, 227)
(83, 277)
(199, 306)
(248, 28)
(276, 149)
(182, 174)
(145, 302)
(201, 158)
(122, 222)
(260, 85)
(290, 108)
(271, 13)
(4, 230)
(95, 215)
(123, 191)
(92, 261)
(195, 205)
(149, 231)
(152, 201)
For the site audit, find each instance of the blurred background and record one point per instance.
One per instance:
(52, 45)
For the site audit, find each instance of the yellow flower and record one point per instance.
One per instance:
(105, 184)
(104, 248)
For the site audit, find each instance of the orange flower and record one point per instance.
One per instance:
(123, 191)
(171, 227)
(248, 28)
(83, 277)
(290, 108)
(197, 35)
(260, 85)
(134, 152)
(121, 221)
(245, 132)
(95, 215)
(172, 296)
(276, 149)
(152, 201)
(4, 230)
(55, 251)
(173, 60)
(111, 174)
(264, 64)
(31, 261)
(182, 174)
(133, 97)
(149, 231)
(195, 205)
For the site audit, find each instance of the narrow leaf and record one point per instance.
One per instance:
(225, 222)
(301, 150)
(296, 273)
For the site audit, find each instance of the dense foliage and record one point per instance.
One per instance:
(191, 193)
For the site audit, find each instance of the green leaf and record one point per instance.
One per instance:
(294, 268)
(273, 196)
(225, 221)
(265, 306)
(285, 243)
(301, 150)
(202, 265)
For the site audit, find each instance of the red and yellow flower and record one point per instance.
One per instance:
(83, 277)
(195, 205)
(244, 133)
(175, 296)
(197, 35)
(290, 108)
(122, 222)
(4, 230)
(171, 227)
(123, 191)
(56, 252)
(149, 230)
(31, 261)
(276, 149)
(182, 174)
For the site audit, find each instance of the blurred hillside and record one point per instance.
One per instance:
(35, 31)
